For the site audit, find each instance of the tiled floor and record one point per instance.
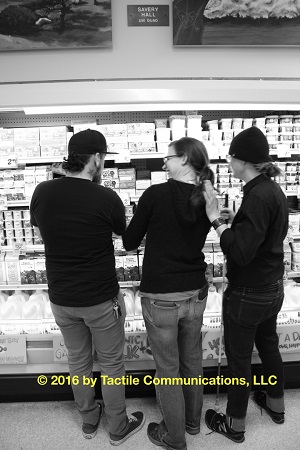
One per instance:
(57, 425)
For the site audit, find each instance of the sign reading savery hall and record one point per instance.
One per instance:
(147, 15)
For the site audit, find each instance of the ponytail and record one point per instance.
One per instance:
(268, 168)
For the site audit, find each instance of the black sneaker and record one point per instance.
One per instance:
(192, 430)
(217, 422)
(154, 434)
(260, 399)
(155, 437)
(89, 431)
(135, 423)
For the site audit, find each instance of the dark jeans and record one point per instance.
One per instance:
(251, 318)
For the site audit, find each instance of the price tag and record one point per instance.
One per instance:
(283, 151)
(13, 350)
(3, 203)
(9, 162)
(123, 156)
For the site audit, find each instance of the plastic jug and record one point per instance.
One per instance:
(3, 297)
(10, 310)
(31, 310)
(288, 293)
(129, 301)
(137, 304)
(18, 296)
(214, 301)
(292, 294)
(39, 297)
(48, 314)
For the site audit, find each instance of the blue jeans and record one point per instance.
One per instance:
(251, 318)
(174, 331)
(78, 327)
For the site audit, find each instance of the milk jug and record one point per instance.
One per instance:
(214, 301)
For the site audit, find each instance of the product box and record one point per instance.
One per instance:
(140, 128)
(140, 138)
(112, 172)
(177, 121)
(119, 268)
(143, 147)
(218, 260)
(2, 269)
(12, 266)
(127, 174)
(115, 129)
(56, 134)
(287, 258)
(117, 147)
(131, 271)
(40, 270)
(140, 262)
(27, 151)
(27, 270)
(209, 259)
(30, 135)
(6, 137)
(53, 150)
(111, 183)
(142, 184)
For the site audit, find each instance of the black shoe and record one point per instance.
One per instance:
(89, 431)
(192, 430)
(217, 422)
(135, 423)
(154, 434)
(260, 399)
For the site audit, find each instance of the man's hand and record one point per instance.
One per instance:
(212, 210)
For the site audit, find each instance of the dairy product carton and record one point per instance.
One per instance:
(2, 269)
(57, 134)
(131, 272)
(28, 135)
(12, 266)
(27, 270)
(119, 262)
(40, 270)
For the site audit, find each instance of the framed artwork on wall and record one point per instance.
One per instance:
(54, 24)
(236, 22)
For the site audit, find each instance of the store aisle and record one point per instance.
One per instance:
(56, 426)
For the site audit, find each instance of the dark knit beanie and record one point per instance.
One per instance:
(250, 145)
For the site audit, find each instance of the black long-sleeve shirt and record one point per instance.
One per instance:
(254, 243)
(176, 233)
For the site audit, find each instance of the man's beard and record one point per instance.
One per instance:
(97, 176)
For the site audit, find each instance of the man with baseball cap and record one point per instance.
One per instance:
(76, 217)
(254, 250)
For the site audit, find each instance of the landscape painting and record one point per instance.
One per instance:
(236, 22)
(54, 24)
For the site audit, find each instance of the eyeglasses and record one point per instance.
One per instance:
(166, 158)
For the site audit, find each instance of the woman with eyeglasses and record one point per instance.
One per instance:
(173, 287)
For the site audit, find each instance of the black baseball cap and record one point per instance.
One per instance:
(88, 142)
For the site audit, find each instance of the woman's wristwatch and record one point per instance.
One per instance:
(218, 222)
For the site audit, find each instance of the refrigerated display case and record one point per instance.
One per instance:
(30, 347)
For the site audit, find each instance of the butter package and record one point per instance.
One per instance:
(141, 128)
(27, 151)
(27, 135)
(112, 172)
(53, 150)
(6, 137)
(12, 266)
(50, 134)
(111, 183)
(141, 146)
(27, 270)
(131, 271)
(114, 129)
(40, 270)
(119, 268)
(2, 269)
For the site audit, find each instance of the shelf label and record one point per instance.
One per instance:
(123, 156)
(3, 203)
(60, 352)
(8, 162)
(13, 350)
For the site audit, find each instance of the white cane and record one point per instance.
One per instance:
(220, 335)
(221, 323)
